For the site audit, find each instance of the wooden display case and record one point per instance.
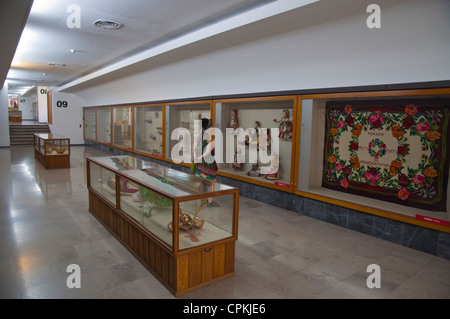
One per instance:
(163, 217)
(15, 115)
(52, 151)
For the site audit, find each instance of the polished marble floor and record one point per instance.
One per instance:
(45, 226)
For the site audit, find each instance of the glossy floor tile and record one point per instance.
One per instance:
(45, 226)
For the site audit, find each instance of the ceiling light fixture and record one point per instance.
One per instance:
(107, 24)
(56, 64)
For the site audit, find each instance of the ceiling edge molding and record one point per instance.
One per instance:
(240, 20)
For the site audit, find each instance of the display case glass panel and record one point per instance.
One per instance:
(122, 127)
(36, 142)
(149, 193)
(104, 125)
(387, 153)
(258, 157)
(183, 116)
(89, 124)
(148, 130)
(103, 181)
(200, 223)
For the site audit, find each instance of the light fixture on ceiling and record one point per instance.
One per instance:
(107, 24)
(56, 64)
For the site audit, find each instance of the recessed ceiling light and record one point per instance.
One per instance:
(107, 24)
(56, 64)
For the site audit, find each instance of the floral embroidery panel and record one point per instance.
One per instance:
(390, 150)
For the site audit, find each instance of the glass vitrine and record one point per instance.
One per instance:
(89, 124)
(52, 150)
(148, 130)
(104, 125)
(158, 210)
(378, 152)
(122, 127)
(182, 116)
(258, 136)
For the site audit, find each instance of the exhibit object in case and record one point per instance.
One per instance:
(52, 151)
(167, 219)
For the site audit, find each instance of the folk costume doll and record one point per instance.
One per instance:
(205, 164)
(284, 124)
(274, 167)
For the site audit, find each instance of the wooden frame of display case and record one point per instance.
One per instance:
(349, 204)
(181, 271)
(50, 161)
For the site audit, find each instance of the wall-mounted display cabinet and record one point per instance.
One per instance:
(104, 128)
(122, 127)
(165, 217)
(52, 151)
(148, 130)
(183, 115)
(384, 153)
(90, 116)
(272, 150)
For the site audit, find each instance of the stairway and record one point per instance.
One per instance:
(23, 134)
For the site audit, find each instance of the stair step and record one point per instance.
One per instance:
(24, 134)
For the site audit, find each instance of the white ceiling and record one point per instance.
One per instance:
(47, 38)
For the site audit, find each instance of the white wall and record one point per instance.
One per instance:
(411, 46)
(42, 104)
(67, 121)
(4, 118)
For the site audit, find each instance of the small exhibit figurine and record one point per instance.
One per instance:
(254, 137)
(234, 123)
(285, 124)
(274, 167)
(254, 170)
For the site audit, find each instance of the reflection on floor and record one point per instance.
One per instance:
(45, 226)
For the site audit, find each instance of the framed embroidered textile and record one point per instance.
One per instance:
(392, 150)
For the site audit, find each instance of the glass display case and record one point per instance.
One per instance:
(15, 115)
(104, 125)
(89, 124)
(122, 127)
(159, 212)
(258, 139)
(148, 130)
(183, 115)
(378, 153)
(52, 151)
